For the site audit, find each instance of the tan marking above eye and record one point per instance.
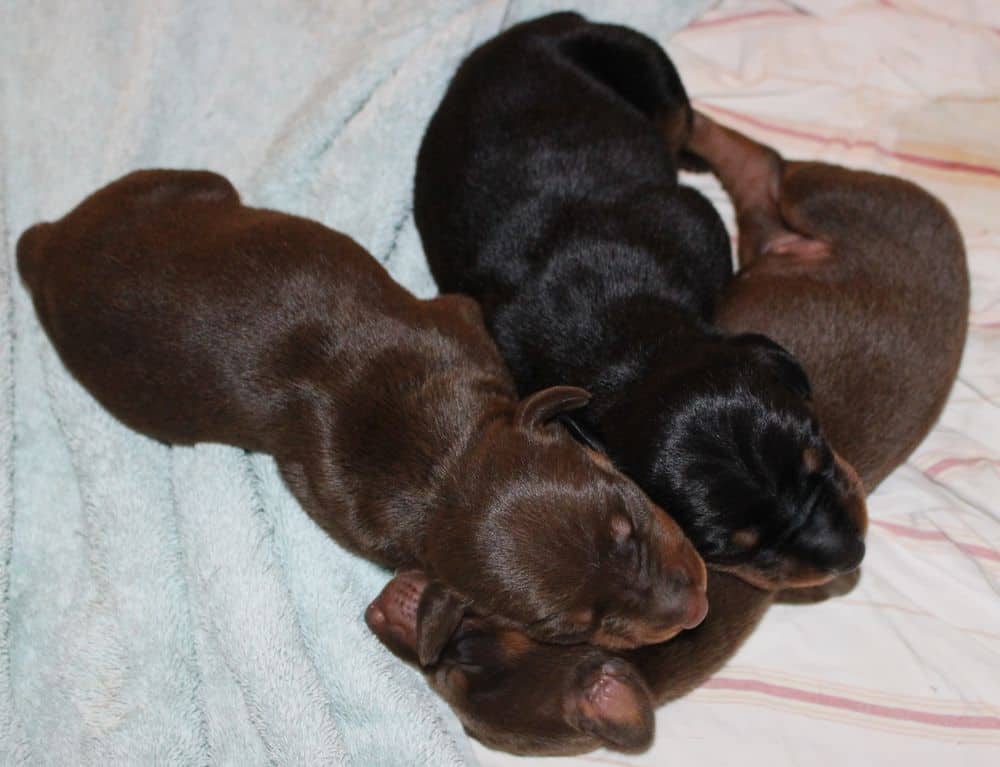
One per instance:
(515, 644)
(746, 538)
(811, 459)
(621, 527)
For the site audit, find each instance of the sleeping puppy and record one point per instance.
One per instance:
(862, 276)
(546, 188)
(193, 318)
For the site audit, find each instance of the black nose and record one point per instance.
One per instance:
(854, 552)
(679, 603)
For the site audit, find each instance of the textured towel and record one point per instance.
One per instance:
(175, 606)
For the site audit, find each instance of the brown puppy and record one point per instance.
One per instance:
(861, 276)
(193, 318)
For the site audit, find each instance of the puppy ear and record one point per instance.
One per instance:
(614, 705)
(438, 615)
(541, 407)
(781, 360)
(392, 616)
(415, 617)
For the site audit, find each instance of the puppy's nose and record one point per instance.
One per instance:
(853, 555)
(679, 603)
(696, 579)
(697, 609)
(683, 580)
(686, 603)
(857, 507)
(859, 515)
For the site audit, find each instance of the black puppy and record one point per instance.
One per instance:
(546, 187)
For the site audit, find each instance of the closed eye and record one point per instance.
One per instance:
(631, 552)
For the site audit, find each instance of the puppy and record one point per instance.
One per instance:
(193, 318)
(870, 271)
(546, 187)
(864, 277)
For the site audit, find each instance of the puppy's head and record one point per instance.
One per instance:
(513, 693)
(741, 462)
(543, 531)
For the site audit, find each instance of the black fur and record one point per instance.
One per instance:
(546, 188)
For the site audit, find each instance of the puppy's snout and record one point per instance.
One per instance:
(854, 553)
(855, 494)
(852, 544)
(697, 609)
(681, 603)
(680, 598)
(858, 510)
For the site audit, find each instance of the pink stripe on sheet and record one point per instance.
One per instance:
(966, 721)
(983, 552)
(949, 463)
(701, 24)
(930, 162)
(923, 12)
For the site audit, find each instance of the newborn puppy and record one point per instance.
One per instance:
(193, 318)
(546, 188)
(863, 276)
(526, 697)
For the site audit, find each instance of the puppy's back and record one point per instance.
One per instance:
(166, 298)
(882, 319)
(556, 120)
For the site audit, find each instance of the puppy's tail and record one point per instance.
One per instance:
(31, 254)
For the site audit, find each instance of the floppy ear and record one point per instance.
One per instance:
(781, 360)
(438, 615)
(415, 617)
(541, 407)
(614, 705)
(392, 616)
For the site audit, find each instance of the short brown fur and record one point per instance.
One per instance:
(194, 318)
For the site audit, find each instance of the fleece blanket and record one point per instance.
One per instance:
(905, 669)
(175, 606)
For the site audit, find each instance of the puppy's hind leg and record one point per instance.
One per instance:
(752, 175)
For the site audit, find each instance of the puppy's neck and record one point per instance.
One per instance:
(667, 342)
(370, 454)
